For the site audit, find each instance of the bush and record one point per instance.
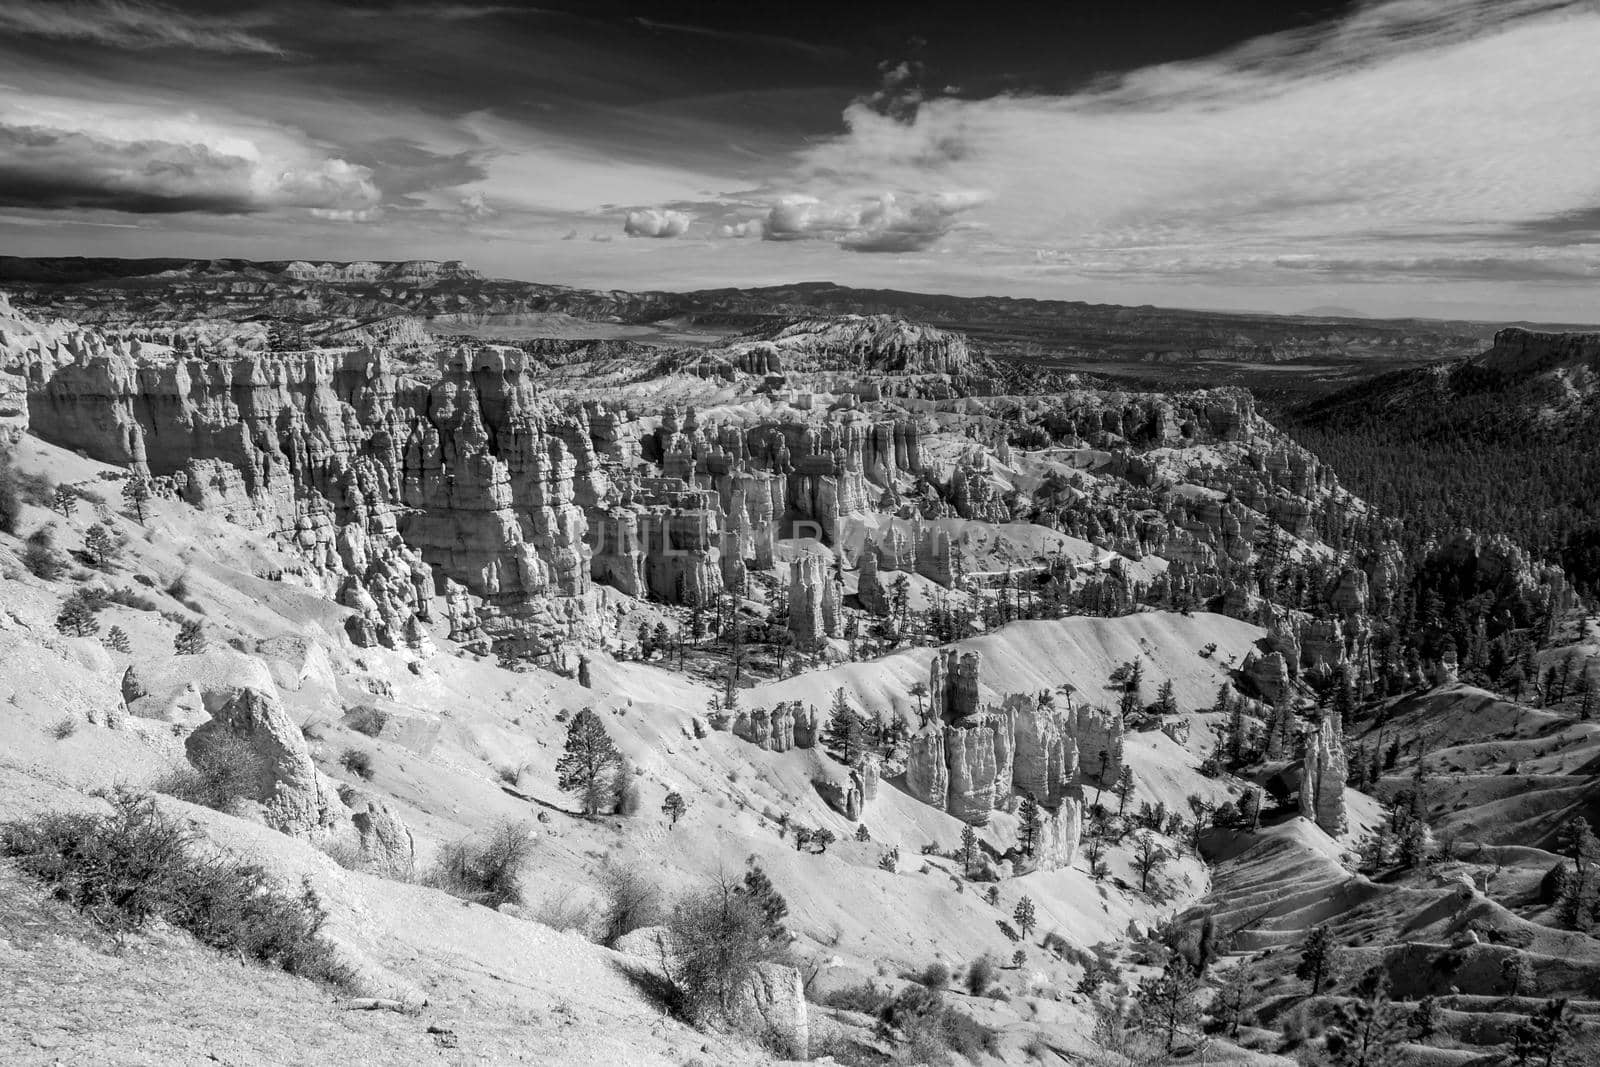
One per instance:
(980, 976)
(564, 912)
(35, 489)
(10, 499)
(138, 863)
(129, 598)
(486, 870)
(717, 938)
(368, 720)
(64, 728)
(40, 557)
(224, 770)
(930, 1030)
(632, 902)
(935, 975)
(358, 762)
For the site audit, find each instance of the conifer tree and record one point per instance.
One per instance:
(845, 735)
(1318, 959)
(76, 618)
(1025, 916)
(191, 639)
(1029, 824)
(588, 764)
(117, 640)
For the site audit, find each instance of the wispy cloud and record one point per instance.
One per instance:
(133, 24)
(1451, 117)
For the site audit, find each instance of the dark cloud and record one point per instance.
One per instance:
(67, 169)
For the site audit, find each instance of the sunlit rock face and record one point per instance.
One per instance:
(382, 480)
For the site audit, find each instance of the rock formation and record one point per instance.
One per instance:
(1322, 782)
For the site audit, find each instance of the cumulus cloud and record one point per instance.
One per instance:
(63, 154)
(132, 24)
(887, 223)
(654, 222)
(742, 228)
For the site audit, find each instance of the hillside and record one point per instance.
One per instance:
(1504, 442)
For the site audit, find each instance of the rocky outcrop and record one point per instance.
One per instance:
(1269, 673)
(774, 995)
(815, 600)
(386, 844)
(294, 797)
(927, 766)
(378, 478)
(969, 752)
(953, 684)
(1322, 781)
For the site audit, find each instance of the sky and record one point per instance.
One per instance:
(1388, 157)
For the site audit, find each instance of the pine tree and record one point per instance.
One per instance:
(191, 639)
(1368, 1030)
(845, 735)
(589, 763)
(1166, 699)
(674, 806)
(136, 496)
(1167, 1003)
(98, 543)
(66, 501)
(758, 888)
(1234, 999)
(1029, 824)
(117, 640)
(1148, 858)
(77, 617)
(1124, 789)
(1025, 917)
(969, 849)
(1318, 959)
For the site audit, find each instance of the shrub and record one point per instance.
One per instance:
(935, 975)
(980, 976)
(358, 762)
(220, 772)
(35, 489)
(138, 863)
(129, 598)
(865, 998)
(10, 499)
(717, 937)
(369, 720)
(564, 912)
(64, 728)
(40, 557)
(632, 902)
(486, 870)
